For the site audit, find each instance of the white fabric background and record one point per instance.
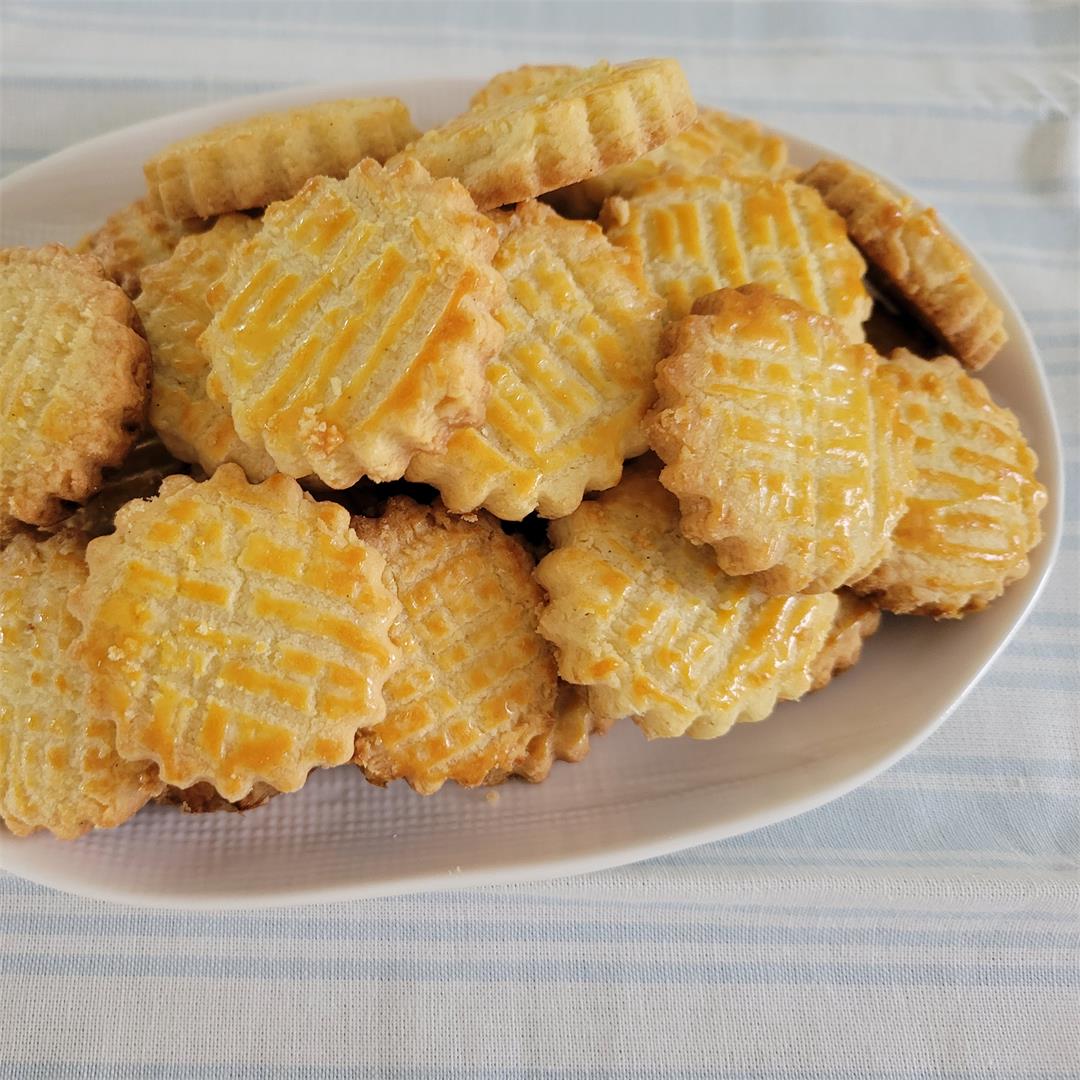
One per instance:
(927, 925)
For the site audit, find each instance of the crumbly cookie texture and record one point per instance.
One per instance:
(569, 127)
(59, 769)
(782, 440)
(237, 633)
(699, 233)
(134, 238)
(175, 312)
(655, 630)
(716, 142)
(572, 382)
(477, 683)
(354, 329)
(856, 619)
(254, 162)
(917, 259)
(73, 381)
(974, 513)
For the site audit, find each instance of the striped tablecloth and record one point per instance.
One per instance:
(927, 925)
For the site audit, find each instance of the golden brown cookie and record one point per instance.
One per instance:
(477, 683)
(856, 619)
(696, 234)
(567, 740)
(715, 142)
(354, 329)
(203, 799)
(73, 381)
(175, 312)
(974, 513)
(238, 634)
(256, 161)
(916, 259)
(526, 79)
(134, 238)
(59, 769)
(570, 127)
(572, 382)
(655, 630)
(783, 442)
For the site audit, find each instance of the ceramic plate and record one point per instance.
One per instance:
(341, 838)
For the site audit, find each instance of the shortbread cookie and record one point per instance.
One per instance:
(572, 382)
(59, 769)
(203, 799)
(134, 238)
(916, 259)
(73, 381)
(174, 312)
(714, 142)
(655, 630)
(354, 329)
(783, 442)
(528, 78)
(856, 619)
(697, 234)
(238, 634)
(567, 740)
(477, 683)
(256, 161)
(974, 513)
(570, 127)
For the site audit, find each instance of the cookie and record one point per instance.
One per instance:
(527, 79)
(974, 513)
(696, 234)
(59, 769)
(134, 238)
(353, 330)
(477, 683)
(175, 312)
(572, 382)
(715, 142)
(204, 799)
(856, 619)
(572, 126)
(567, 740)
(257, 161)
(783, 442)
(916, 260)
(655, 630)
(238, 634)
(73, 381)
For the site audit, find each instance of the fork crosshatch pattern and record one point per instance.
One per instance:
(923, 926)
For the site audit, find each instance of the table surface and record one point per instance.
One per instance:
(927, 925)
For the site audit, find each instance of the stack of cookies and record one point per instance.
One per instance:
(320, 452)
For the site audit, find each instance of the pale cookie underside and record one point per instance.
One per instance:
(856, 620)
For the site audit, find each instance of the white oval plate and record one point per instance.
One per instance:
(341, 838)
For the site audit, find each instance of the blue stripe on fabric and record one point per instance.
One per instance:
(688, 22)
(489, 967)
(131, 925)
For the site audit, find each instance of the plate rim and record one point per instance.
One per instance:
(289, 894)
